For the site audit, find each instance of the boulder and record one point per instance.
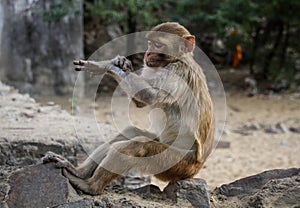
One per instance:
(274, 188)
(38, 186)
(43, 185)
(192, 192)
(27, 136)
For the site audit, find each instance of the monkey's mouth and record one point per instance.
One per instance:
(153, 63)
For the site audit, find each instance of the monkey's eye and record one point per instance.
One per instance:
(158, 45)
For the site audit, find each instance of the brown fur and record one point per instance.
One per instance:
(189, 105)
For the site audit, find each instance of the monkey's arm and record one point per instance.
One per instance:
(94, 67)
(135, 86)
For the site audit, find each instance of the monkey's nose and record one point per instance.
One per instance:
(149, 54)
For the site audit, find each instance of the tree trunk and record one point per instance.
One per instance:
(270, 56)
(284, 47)
(254, 48)
(131, 24)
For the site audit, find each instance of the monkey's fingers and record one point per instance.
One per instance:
(89, 64)
(80, 65)
(79, 62)
(94, 67)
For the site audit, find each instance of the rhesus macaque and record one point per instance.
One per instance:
(188, 109)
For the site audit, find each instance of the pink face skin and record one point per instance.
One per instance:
(154, 55)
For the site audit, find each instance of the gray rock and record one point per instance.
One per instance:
(273, 130)
(295, 129)
(242, 131)
(254, 126)
(85, 203)
(38, 186)
(279, 128)
(275, 188)
(195, 191)
(43, 186)
(223, 144)
(29, 130)
(248, 128)
(192, 192)
(282, 127)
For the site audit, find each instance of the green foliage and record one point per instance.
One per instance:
(130, 15)
(59, 10)
(267, 30)
(73, 105)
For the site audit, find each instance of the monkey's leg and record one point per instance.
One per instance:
(86, 169)
(122, 157)
(61, 162)
(132, 132)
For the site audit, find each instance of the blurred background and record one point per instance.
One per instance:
(254, 44)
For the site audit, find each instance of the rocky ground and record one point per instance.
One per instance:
(262, 133)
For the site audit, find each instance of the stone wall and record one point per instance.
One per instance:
(36, 55)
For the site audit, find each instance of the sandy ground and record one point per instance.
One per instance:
(248, 154)
(258, 151)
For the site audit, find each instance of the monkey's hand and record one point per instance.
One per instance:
(122, 63)
(94, 67)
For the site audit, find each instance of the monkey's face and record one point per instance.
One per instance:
(156, 54)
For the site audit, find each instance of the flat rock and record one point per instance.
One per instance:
(192, 192)
(274, 188)
(44, 186)
(223, 144)
(29, 130)
(295, 129)
(38, 186)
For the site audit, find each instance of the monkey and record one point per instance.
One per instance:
(188, 108)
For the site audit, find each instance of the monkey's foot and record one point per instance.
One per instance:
(81, 184)
(59, 161)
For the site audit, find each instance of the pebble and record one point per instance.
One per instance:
(50, 103)
(284, 143)
(252, 126)
(279, 128)
(273, 130)
(282, 127)
(295, 129)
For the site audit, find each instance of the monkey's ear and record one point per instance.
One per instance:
(190, 43)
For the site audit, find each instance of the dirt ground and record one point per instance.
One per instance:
(258, 151)
(250, 152)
